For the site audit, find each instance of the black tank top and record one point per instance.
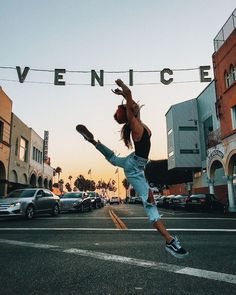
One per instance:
(142, 147)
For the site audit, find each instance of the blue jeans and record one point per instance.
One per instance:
(134, 171)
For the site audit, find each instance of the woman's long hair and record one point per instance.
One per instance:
(125, 135)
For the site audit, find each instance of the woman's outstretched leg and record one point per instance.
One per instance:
(108, 154)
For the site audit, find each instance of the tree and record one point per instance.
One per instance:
(84, 184)
(68, 187)
(126, 185)
(60, 184)
(70, 177)
(58, 170)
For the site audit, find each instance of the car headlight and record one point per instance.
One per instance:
(16, 204)
(77, 203)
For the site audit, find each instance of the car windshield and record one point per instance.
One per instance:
(91, 194)
(198, 196)
(72, 195)
(22, 193)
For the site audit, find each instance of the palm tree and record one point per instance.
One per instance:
(61, 182)
(126, 185)
(70, 177)
(58, 170)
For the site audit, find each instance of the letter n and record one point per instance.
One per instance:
(94, 76)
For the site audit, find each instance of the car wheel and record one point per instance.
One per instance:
(29, 212)
(55, 210)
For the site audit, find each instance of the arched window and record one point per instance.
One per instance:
(232, 74)
(227, 82)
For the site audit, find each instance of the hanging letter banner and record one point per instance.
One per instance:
(62, 77)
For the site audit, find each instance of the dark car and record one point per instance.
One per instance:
(76, 201)
(178, 202)
(29, 202)
(160, 201)
(204, 202)
(96, 199)
(167, 200)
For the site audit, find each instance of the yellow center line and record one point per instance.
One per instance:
(117, 221)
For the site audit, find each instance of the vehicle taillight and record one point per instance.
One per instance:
(202, 200)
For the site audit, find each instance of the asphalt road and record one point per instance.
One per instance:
(114, 250)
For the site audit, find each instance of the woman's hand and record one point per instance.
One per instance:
(118, 91)
(125, 89)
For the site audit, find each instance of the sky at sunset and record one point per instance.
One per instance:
(104, 35)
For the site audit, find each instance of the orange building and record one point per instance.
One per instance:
(5, 130)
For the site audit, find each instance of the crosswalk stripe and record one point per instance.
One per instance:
(189, 271)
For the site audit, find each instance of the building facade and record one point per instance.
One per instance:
(215, 122)
(183, 141)
(23, 153)
(5, 129)
(40, 173)
(223, 154)
(19, 155)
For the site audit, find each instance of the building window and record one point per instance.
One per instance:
(230, 77)
(16, 147)
(171, 154)
(1, 130)
(170, 131)
(233, 117)
(232, 74)
(37, 155)
(23, 149)
(188, 151)
(187, 128)
(227, 80)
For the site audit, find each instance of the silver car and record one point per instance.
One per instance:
(76, 201)
(29, 202)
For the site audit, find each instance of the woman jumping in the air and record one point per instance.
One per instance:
(134, 132)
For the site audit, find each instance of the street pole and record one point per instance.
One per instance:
(118, 182)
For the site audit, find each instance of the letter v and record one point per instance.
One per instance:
(23, 75)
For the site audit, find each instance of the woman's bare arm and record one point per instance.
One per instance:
(132, 110)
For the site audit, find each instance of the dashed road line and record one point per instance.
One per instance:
(189, 271)
(117, 221)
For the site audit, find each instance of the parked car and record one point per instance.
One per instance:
(29, 202)
(167, 201)
(76, 201)
(178, 202)
(204, 202)
(114, 200)
(157, 198)
(135, 200)
(160, 201)
(96, 199)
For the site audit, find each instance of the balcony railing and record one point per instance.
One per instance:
(213, 138)
(225, 31)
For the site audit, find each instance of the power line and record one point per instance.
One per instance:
(105, 84)
(108, 72)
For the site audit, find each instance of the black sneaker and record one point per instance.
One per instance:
(175, 249)
(85, 132)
